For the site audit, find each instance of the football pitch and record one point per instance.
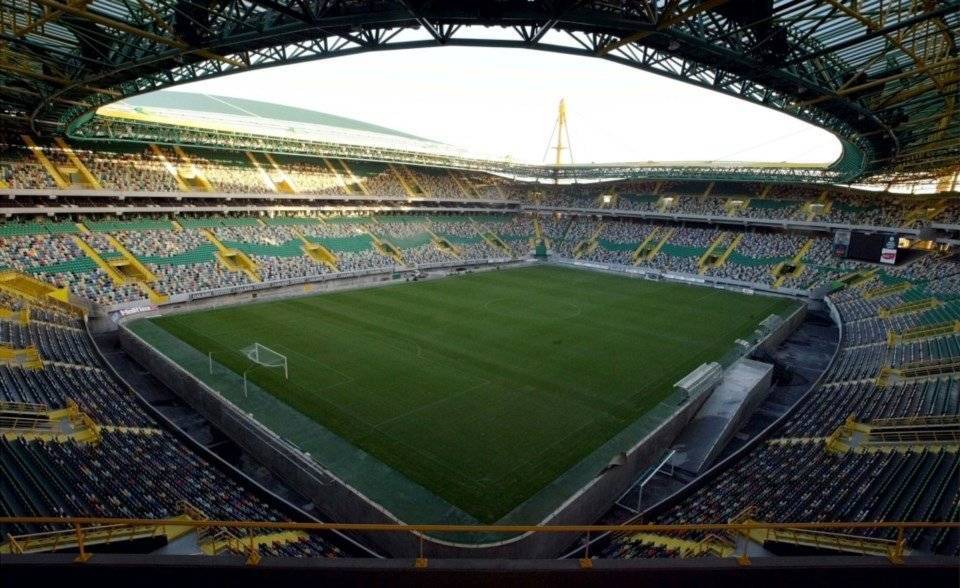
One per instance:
(482, 388)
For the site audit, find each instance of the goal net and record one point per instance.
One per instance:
(263, 355)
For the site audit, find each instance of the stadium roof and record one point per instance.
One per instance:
(883, 75)
(224, 106)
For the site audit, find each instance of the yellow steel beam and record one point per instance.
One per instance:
(460, 185)
(75, 160)
(264, 176)
(49, 16)
(908, 94)
(873, 83)
(52, 79)
(127, 28)
(403, 182)
(873, 26)
(664, 23)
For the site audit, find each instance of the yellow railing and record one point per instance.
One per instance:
(887, 291)
(23, 407)
(909, 308)
(730, 249)
(233, 260)
(29, 288)
(443, 245)
(27, 426)
(709, 255)
(917, 421)
(81, 526)
(664, 237)
(115, 275)
(494, 240)
(88, 177)
(45, 162)
(923, 332)
(639, 254)
(345, 185)
(25, 357)
(463, 187)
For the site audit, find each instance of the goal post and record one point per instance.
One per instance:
(261, 355)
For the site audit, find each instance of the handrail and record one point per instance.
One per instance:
(494, 528)
(23, 407)
(895, 550)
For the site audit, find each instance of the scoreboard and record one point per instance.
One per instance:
(872, 247)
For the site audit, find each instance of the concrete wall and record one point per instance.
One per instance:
(778, 335)
(757, 393)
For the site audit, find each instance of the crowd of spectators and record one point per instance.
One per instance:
(793, 476)
(26, 252)
(233, 173)
(136, 468)
(161, 243)
(23, 173)
(140, 172)
(233, 176)
(276, 248)
(311, 178)
(187, 278)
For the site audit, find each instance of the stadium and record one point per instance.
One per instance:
(247, 341)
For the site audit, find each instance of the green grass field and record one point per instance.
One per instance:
(482, 388)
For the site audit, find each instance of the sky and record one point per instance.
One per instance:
(503, 103)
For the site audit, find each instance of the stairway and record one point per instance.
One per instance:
(386, 248)
(45, 162)
(264, 176)
(88, 179)
(318, 252)
(354, 180)
(171, 168)
(792, 269)
(194, 177)
(664, 237)
(710, 257)
(233, 260)
(283, 182)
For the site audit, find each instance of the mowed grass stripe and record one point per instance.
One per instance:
(482, 388)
